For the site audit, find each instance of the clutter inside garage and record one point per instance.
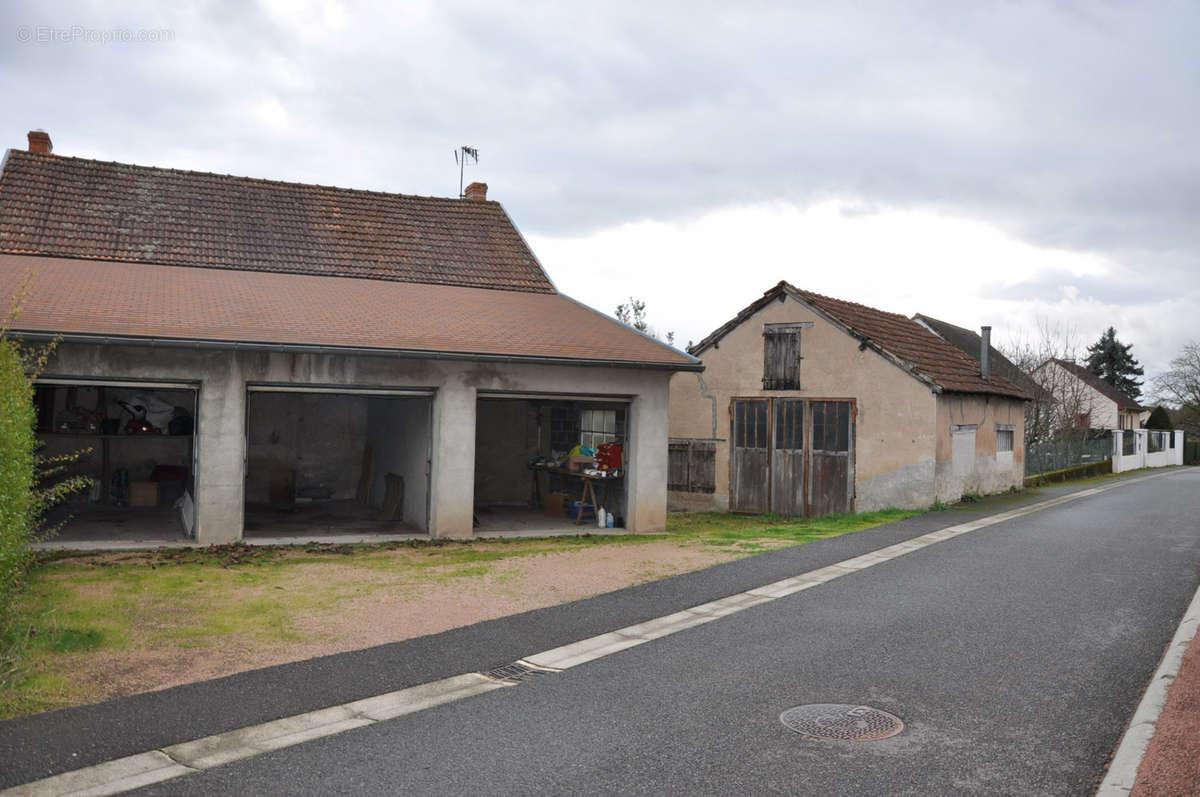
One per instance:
(549, 464)
(136, 443)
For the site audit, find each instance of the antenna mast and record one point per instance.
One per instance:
(460, 157)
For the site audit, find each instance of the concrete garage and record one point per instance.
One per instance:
(409, 370)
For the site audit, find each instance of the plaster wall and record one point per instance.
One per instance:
(896, 413)
(988, 470)
(223, 376)
(399, 430)
(317, 436)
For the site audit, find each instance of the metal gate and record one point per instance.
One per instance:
(791, 456)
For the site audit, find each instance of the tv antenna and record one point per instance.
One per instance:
(460, 157)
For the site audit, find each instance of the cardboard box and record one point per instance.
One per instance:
(577, 462)
(556, 505)
(143, 493)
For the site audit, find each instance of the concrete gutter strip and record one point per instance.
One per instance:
(143, 769)
(1122, 772)
(124, 774)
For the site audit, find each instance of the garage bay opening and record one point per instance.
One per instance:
(549, 464)
(336, 462)
(136, 441)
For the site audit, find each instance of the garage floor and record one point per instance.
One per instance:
(496, 520)
(319, 518)
(95, 523)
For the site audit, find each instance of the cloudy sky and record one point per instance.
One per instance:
(1005, 163)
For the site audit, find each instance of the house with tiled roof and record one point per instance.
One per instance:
(1089, 401)
(253, 357)
(810, 405)
(971, 343)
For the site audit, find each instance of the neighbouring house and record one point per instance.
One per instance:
(810, 405)
(1085, 400)
(256, 358)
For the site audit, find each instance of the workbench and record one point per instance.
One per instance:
(589, 489)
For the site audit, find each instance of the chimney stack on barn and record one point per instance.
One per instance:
(39, 142)
(476, 191)
(985, 348)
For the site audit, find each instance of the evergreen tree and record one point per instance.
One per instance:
(1159, 419)
(1109, 359)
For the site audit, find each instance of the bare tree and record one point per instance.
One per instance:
(1180, 387)
(633, 314)
(1062, 409)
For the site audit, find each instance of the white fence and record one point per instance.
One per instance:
(1145, 448)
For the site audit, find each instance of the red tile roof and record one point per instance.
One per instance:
(910, 345)
(138, 300)
(969, 343)
(78, 208)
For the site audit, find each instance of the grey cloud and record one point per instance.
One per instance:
(1070, 125)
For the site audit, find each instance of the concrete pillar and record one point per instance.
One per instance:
(221, 453)
(646, 476)
(452, 478)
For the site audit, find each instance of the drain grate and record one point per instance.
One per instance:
(841, 723)
(515, 672)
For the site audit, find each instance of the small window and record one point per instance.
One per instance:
(597, 427)
(1004, 440)
(781, 357)
(750, 424)
(789, 424)
(830, 425)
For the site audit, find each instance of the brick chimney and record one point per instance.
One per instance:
(39, 142)
(476, 191)
(985, 350)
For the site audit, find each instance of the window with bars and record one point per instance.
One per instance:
(781, 356)
(1004, 439)
(789, 424)
(830, 425)
(750, 424)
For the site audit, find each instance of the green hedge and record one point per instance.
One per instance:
(1067, 474)
(17, 463)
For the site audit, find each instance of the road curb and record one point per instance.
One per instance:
(1122, 772)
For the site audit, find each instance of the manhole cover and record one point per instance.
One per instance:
(841, 723)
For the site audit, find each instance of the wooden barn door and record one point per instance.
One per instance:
(787, 458)
(831, 468)
(749, 463)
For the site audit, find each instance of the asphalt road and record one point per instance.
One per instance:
(1015, 655)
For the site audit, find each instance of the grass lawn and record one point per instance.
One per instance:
(95, 626)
